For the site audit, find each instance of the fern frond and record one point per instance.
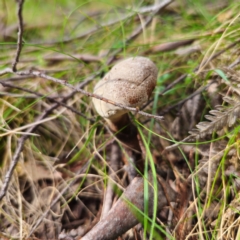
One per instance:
(220, 117)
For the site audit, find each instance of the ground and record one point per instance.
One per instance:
(67, 173)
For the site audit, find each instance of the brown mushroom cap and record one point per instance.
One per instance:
(130, 82)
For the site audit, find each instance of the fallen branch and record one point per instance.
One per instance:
(149, 9)
(182, 77)
(20, 34)
(128, 210)
(20, 145)
(5, 84)
(139, 29)
(77, 89)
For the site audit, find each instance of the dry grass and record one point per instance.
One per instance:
(68, 156)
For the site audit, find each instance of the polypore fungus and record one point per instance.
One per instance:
(130, 82)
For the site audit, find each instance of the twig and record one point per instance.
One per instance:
(126, 212)
(25, 137)
(218, 54)
(191, 137)
(20, 33)
(5, 84)
(169, 46)
(14, 79)
(17, 152)
(64, 82)
(20, 145)
(235, 63)
(89, 79)
(109, 192)
(139, 29)
(196, 69)
(198, 91)
(40, 219)
(22, 140)
(5, 71)
(182, 77)
(143, 10)
(78, 173)
(87, 58)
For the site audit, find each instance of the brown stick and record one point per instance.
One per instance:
(149, 9)
(20, 145)
(5, 84)
(20, 33)
(64, 82)
(123, 216)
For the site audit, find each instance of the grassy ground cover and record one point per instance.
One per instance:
(61, 152)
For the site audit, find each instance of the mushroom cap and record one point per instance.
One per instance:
(130, 82)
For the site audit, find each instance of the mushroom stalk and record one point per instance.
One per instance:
(125, 131)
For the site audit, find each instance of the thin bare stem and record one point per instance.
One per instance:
(140, 28)
(20, 145)
(198, 91)
(77, 89)
(143, 10)
(5, 84)
(192, 137)
(182, 77)
(20, 34)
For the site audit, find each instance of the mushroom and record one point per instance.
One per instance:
(130, 82)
